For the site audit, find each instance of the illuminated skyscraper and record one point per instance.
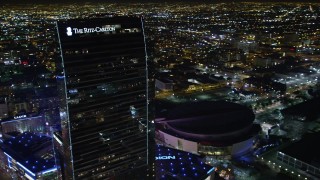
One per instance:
(102, 81)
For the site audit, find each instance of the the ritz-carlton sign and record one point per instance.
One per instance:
(71, 31)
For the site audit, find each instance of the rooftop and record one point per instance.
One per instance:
(31, 150)
(210, 117)
(305, 150)
(176, 164)
(209, 122)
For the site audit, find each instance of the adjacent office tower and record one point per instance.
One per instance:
(102, 81)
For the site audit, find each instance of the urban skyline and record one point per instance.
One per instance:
(261, 56)
(146, 2)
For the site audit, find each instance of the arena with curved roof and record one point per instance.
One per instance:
(214, 128)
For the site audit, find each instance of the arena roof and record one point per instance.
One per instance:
(219, 122)
(209, 117)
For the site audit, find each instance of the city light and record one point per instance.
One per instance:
(87, 86)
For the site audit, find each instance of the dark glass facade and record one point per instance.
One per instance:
(103, 89)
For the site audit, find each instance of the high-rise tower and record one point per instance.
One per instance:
(103, 87)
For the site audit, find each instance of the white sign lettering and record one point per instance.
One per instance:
(165, 157)
(21, 116)
(109, 28)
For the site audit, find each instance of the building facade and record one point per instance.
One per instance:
(102, 81)
(23, 123)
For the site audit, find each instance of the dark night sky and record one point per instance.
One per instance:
(145, 1)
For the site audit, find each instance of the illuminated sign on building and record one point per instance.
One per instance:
(21, 116)
(107, 28)
(165, 157)
(69, 31)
